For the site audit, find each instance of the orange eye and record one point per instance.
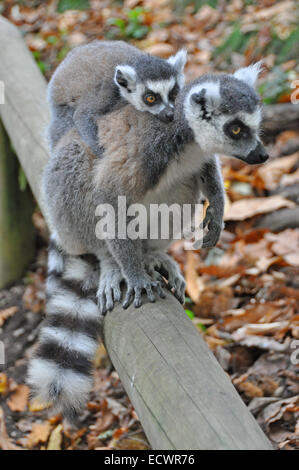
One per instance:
(236, 130)
(151, 99)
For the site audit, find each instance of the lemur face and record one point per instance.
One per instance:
(153, 84)
(224, 113)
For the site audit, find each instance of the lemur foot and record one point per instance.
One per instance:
(215, 226)
(165, 265)
(136, 286)
(109, 290)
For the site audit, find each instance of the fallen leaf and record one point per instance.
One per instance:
(246, 208)
(5, 441)
(55, 440)
(3, 384)
(7, 313)
(19, 399)
(39, 434)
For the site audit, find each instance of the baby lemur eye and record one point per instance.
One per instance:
(236, 130)
(151, 98)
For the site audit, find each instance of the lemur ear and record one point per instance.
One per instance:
(125, 77)
(207, 96)
(178, 60)
(249, 74)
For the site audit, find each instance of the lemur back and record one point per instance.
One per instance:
(101, 76)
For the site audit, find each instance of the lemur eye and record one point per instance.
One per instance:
(150, 99)
(236, 130)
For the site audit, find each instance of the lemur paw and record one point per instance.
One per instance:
(214, 229)
(109, 290)
(135, 288)
(164, 264)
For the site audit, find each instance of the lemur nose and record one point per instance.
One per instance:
(169, 115)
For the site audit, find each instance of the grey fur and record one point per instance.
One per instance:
(84, 86)
(147, 161)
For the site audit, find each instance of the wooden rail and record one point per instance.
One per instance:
(182, 396)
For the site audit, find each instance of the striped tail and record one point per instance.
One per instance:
(60, 373)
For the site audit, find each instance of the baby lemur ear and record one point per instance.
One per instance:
(178, 60)
(249, 74)
(125, 77)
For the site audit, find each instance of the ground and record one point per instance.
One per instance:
(242, 295)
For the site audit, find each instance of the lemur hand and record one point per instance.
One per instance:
(109, 285)
(215, 224)
(165, 265)
(137, 284)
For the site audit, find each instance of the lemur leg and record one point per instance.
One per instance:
(165, 265)
(109, 290)
(212, 188)
(129, 256)
(85, 122)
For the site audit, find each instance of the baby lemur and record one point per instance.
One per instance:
(101, 76)
(149, 162)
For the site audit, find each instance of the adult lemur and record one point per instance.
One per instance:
(103, 75)
(148, 162)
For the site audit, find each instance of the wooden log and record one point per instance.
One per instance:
(183, 397)
(280, 117)
(16, 207)
(24, 114)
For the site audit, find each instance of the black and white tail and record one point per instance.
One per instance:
(60, 373)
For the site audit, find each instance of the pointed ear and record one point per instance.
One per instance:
(178, 60)
(249, 74)
(125, 77)
(207, 96)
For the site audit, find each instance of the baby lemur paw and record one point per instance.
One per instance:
(214, 228)
(109, 290)
(165, 265)
(135, 287)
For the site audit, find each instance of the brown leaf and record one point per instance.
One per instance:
(19, 399)
(246, 208)
(5, 441)
(7, 313)
(39, 434)
(55, 440)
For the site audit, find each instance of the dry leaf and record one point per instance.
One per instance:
(246, 208)
(39, 434)
(7, 313)
(55, 440)
(3, 384)
(19, 399)
(5, 442)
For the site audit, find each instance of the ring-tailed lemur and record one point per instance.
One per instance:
(148, 162)
(101, 76)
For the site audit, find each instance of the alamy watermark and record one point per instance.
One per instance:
(151, 222)
(2, 92)
(2, 353)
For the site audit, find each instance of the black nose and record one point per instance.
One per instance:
(258, 155)
(169, 115)
(166, 115)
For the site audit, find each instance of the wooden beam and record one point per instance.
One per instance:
(183, 397)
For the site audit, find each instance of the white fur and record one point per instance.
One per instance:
(70, 340)
(75, 386)
(249, 74)
(55, 261)
(128, 73)
(76, 270)
(178, 61)
(67, 303)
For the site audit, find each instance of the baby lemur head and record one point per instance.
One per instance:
(152, 84)
(224, 114)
